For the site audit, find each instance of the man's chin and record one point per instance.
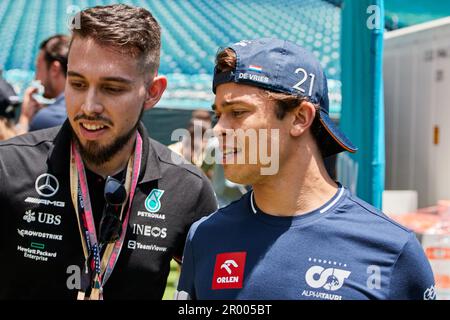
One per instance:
(92, 145)
(241, 174)
(93, 152)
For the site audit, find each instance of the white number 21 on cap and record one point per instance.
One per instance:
(305, 76)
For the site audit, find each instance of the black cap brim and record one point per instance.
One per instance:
(333, 140)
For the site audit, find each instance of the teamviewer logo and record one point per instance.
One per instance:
(132, 244)
(229, 270)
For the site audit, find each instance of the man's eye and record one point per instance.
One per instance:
(77, 85)
(237, 113)
(114, 90)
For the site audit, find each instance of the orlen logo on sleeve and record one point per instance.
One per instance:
(229, 270)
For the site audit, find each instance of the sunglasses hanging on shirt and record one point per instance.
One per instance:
(110, 225)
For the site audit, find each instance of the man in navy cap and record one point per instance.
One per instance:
(298, 234)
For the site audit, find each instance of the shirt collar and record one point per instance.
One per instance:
(59, 156)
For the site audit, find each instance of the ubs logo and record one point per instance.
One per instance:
(45, 218)
(47, 185)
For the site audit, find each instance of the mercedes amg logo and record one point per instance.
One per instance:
(47, 185)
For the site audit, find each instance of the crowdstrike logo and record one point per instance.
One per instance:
(30, 233)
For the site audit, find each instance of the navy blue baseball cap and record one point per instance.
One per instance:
(6, 105)
(282, 66)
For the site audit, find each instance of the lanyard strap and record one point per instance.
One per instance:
(81, 201)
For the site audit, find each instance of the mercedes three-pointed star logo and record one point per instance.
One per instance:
(47, 185)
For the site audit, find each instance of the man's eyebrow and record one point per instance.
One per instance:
(117, 79)
(74, 74)
(112, 79)
(229, 103)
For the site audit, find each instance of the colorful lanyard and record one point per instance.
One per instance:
(101, 268)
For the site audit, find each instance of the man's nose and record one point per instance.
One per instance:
(221, 126)
(92, 104)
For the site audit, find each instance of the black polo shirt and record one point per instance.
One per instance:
(40, 245)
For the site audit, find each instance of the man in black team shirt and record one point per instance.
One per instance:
(95, 208)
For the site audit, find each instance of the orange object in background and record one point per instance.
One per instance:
(423, 219)
(442, 283)
(438, 253)
(419, 222)
(432, 227)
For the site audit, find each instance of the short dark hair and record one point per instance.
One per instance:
(126, 28)
(56, 48)
(226, 61)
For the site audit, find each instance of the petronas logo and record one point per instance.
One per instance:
(153, 203)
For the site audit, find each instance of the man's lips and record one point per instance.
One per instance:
(92, 126)
(92, 130)
(229, 155)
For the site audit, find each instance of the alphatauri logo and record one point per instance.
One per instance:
(47, 185)
(430, 294)
(229, 270)
(331, 279)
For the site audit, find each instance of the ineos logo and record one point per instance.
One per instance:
(47, 185)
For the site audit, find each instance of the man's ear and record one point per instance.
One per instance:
(303, 117)
(155, 91)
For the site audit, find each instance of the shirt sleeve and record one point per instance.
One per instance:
(412, 277)
(46, 118)
(186, 282)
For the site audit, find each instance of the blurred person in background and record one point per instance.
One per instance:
(7, 110)
(191, 147)
(51, 71)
